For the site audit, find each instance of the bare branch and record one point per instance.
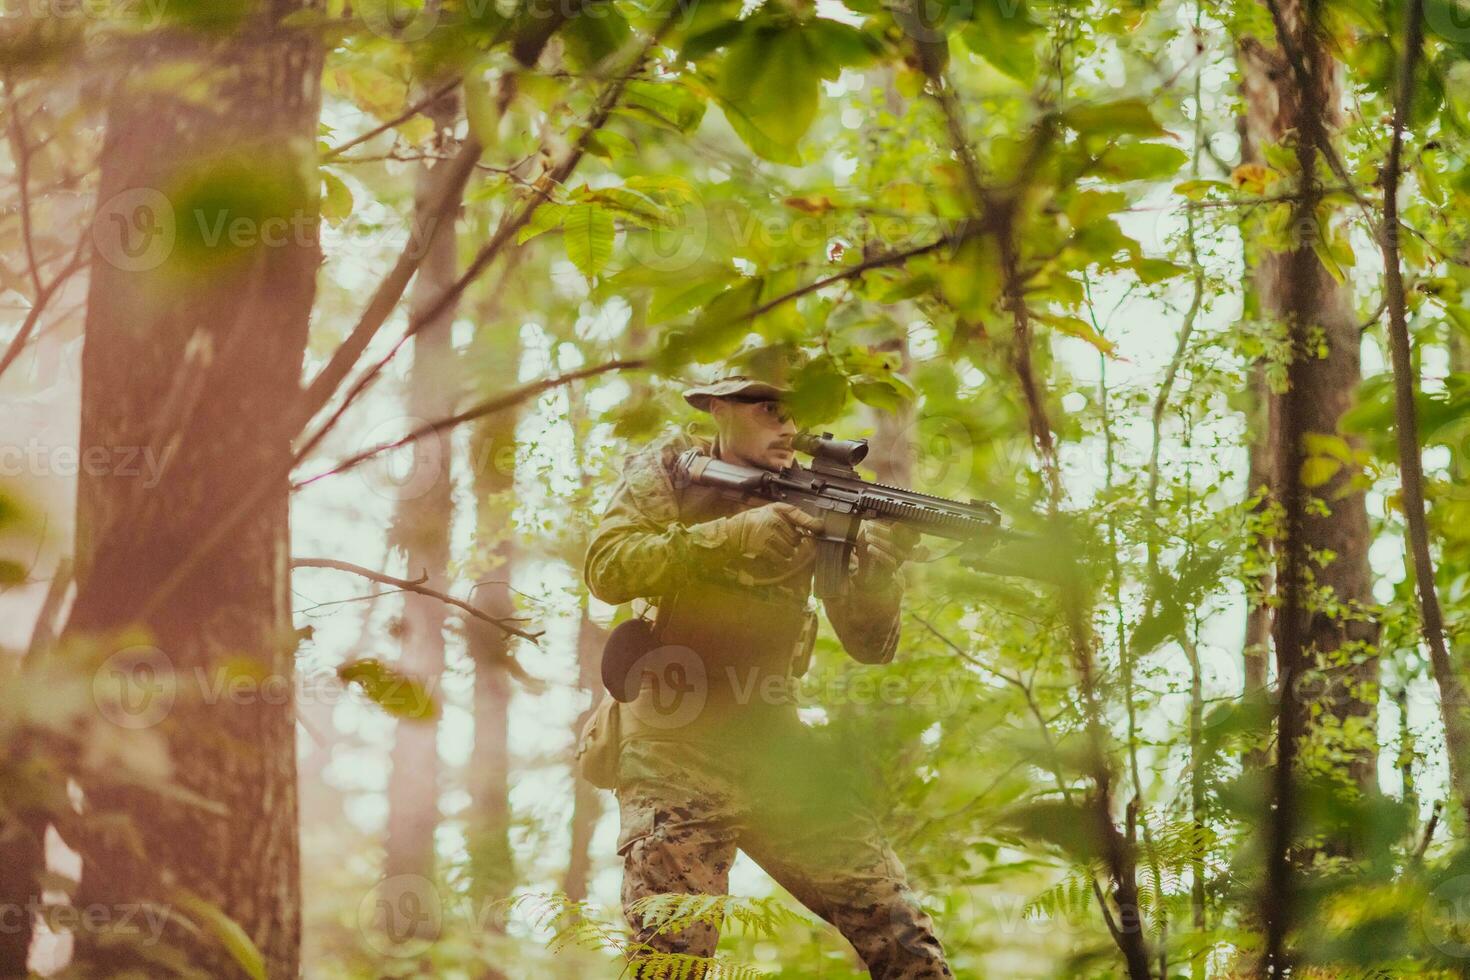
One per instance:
(22, 152)
(499, 403)
(417, 585)
(38, 306)
(444, 199)
(399, 119)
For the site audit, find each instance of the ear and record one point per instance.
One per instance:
(720, 409)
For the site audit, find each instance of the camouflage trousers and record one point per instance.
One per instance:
(679, 835)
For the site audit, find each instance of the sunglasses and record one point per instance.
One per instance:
(773, 409)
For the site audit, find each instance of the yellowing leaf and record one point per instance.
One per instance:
(1317, 470)
(1251, 177)
(416, 130)
(1076, 327)
(810, 204)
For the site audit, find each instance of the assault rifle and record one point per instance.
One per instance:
(832, 490)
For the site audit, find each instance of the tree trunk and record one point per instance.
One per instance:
(493, 456)
(1339, 659)
(586, 802)
(194, 341)
(425, 513)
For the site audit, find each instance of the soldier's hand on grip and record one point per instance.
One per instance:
(773, 532)
(883, 546)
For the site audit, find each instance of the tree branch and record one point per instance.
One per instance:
(38, 306)
(1452, 696)
(503, 235)
(497, 404)
(445, 198)
(22, 152)
(402, 117)
(417, 585)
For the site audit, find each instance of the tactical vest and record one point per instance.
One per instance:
(729, 642)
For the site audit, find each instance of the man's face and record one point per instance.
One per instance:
(756, 432)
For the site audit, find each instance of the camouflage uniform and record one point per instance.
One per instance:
(706, 770)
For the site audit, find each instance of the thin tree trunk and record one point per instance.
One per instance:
(191, 350)
(493, 452)
(1256, 648)
(1453, 702)
(586, 802)
(421, 529)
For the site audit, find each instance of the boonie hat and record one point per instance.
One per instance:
(737, 385)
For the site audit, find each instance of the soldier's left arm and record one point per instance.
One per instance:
(867, 618)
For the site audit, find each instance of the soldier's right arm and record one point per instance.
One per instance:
(639, 549)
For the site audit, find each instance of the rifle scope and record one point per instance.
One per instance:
(843, 452)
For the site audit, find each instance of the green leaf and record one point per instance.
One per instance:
(610, 145)
(1076, 327)
(1127, 117)
(597, 31)
(628, 204)
(396, 693)
(1002, 32)
(1150, 271)
(588, 231)
(834, 46)
(709, 40)
(232, 937)
(725, 320)
(336, 199)
(1141, 161)
(818, 392)
(1450, 21)
(1197, 190)
(675, 298)
(668, 105)
(879, 394)
(543, 219)
(769, 88)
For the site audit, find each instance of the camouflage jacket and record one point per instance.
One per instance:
(640, 549)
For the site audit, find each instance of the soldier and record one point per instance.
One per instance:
(713, 756)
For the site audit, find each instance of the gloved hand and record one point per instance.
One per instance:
(773, 532)
(882, 547)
